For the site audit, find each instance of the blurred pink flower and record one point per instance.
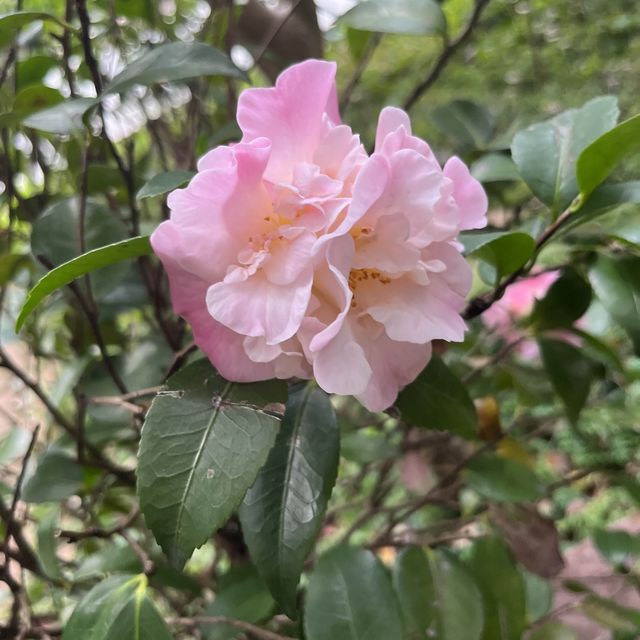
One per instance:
(295, 254)
(516, 304)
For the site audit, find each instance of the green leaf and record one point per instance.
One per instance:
(30, 100)
(434, 589)
(56, 477)
(502, 587)
(437, 399)
(539, 595)
(241, 595)
(117, 608)
(546, 153)
(571, 373)
(409, 17)
(203, 443)
(80, 266)
(174, 61)
(163, 182)
(616, 283)
(11, 263)
(115, 557)
(505, 251)
(47, 544)
(610, 614)
(494, 167)
(617, 546)
(64, 118)
(502, 479)
(283, 511)
(350, 597)
(466, 122)
(11, 23)
(553, 631)
(567, 299)
(14, 444)
(596, 163)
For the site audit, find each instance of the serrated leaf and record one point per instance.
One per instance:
(80, 266)
(571, 374)
(203, 443)
(350, 597)
(164, 182)
(117, 608)
(174, 61)
(283, 512)
(437, 399)
(596, 163)
(409, 17)
(546, 153)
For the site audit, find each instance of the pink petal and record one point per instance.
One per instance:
(468, 194)
(290, 114)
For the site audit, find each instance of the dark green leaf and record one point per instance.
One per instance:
(601, 157)
(115, 557)
(47, 544)
(283, 511)
(494, 167)
(546, 153)
(410, 17)
(468, 123)
(80, 266)
(502, 587)
(11, 23)
(56, 477)
(567, 299)
(30, 100)
(163, 182)
(174, 61)
(617, 546)
(616, 283)
(350, 597)
(241, 595)
(502, 479)
(117, 608)
(201, 449)
(505, 251)
(571, 373)
(437, 399)
(62, 119)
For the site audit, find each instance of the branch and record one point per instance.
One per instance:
(98, 532)
(448, 51)
(258, 632)
(372, 45)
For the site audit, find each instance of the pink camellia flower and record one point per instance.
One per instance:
(295, 254)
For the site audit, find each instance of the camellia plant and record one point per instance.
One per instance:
(268, 377)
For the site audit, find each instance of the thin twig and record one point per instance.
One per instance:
(274, 33)
(258, 632)
(364, 61)
(448, 51)
(99, 532)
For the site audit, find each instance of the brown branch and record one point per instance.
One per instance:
(99, 532)
(446, 54)
(364, 61)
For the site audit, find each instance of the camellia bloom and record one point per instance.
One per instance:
(296, 254)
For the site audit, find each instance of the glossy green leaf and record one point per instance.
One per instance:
(163, 182)
(80, 266)
(56, 476)
(553, 631)
(437, 399)
(409, 17)
(502, 479)
(174, 61)
(29, 100)
(616, 283)
(466, 122)
(350, 597)
(566, 300)
(597, 162)
(571, 373)
(434, 589)
(284, 510)
(505, 251)
(502, 587)
(64, 118)
(117, 608)
(494, 167)
(546, 153)
(241, 595)
(11, 23)
(203, 442)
